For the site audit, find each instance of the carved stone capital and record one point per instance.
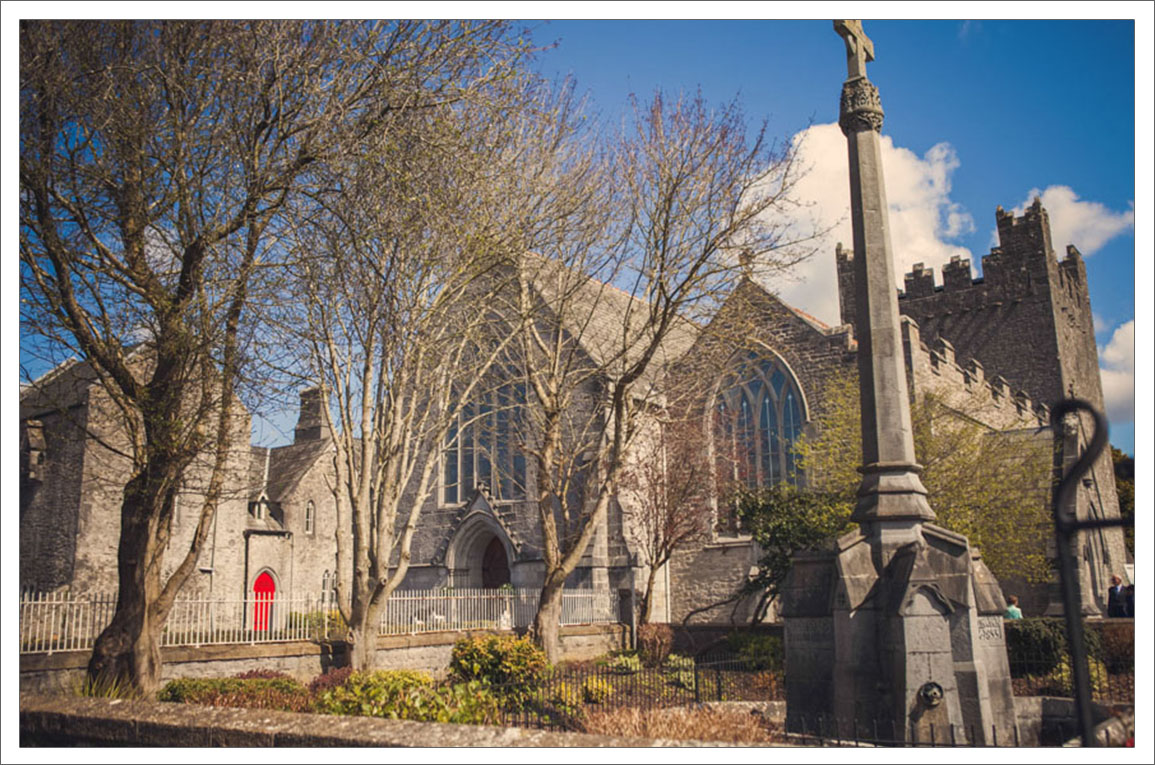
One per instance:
(861, 108)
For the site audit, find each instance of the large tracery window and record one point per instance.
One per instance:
(484, 447)
(759, 417)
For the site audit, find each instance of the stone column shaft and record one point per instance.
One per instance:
(890, 490)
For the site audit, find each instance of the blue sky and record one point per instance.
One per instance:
(978, 114)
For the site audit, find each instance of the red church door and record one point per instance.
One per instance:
(264, 589)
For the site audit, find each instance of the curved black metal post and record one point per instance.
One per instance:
(1066, 526)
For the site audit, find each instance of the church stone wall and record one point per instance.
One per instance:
(50, 499)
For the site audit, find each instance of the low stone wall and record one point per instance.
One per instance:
(71, 721)
(62, 672)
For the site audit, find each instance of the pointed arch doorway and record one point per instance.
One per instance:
(264, 591)
(494, 565)
(480, 555)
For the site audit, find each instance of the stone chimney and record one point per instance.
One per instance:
(310, 422)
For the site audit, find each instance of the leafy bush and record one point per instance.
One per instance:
(1061, 680)
(679, 670)
(654, 643)
(329, 680)
(625, 664)
(564, 694)
(316, 622)
(566, 698)
(283, 693)
(1037, 646)
(513, 667)
(758, 650)
(1118, 646)
(406, 695)
(595, 690)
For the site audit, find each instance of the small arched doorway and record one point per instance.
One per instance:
(264, 590)
(494, 565)
(480, 554)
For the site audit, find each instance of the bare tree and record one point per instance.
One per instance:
(610, 305)
(666, 483)
(156, 162)
(394, 271)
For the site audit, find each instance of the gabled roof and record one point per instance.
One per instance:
(61, 387)
(276, 472)
(609, 324)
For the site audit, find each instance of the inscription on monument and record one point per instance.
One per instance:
(990, 628)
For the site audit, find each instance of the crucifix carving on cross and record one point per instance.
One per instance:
(859, 48)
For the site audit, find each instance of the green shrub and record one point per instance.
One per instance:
(504, 661)
(625, 664)
(564, 694)
(566, 698)
(282, 692)
(679, 671)
(329, 680)
(1118, 646)
(315, 623)
(595, 690)
(1061, 680)
(1037, 646)
(406, 695)
(758, 650)
(654, 643)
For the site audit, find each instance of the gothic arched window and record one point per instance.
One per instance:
(484, 446)
(759, 417)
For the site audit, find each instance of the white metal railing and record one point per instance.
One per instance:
(587, 607)
(56, 621)
(60, 621)
(252, 620)
(63, 622)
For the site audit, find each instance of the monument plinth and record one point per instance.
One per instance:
(898, 630)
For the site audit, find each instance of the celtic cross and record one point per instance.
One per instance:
(859, 48)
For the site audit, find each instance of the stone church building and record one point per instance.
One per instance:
(1005, 345)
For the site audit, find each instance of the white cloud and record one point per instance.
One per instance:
(1087, 225)
(1117, 370)
(922, 215)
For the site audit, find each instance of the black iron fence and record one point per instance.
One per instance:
(1040, 661)
(563, 696)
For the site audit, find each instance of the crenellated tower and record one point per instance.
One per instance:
(1027, 319)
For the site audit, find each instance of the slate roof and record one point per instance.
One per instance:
(286, 466)
(609, 324)
(63, 386)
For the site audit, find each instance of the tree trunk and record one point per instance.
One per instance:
(126, 655)
(648, 597)
(546, 622)
(363, 642)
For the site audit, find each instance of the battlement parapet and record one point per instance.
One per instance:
(956, 275)
(1012, 268)
(919, 282)
(964, 385)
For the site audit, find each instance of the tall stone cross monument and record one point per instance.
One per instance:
(891, 499)
(898, 629)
